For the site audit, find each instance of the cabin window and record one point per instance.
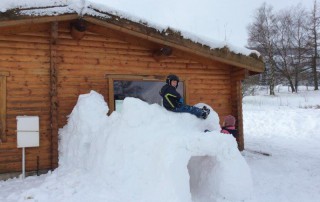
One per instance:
(145, 88)
(3, 105)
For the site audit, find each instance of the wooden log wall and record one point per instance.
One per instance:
(3, 105)
(26, 57)
(81, 66)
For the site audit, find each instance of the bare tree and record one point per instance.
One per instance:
(283, 39)
(261, 35)
(291, 44)
(250, 84)
(283, 56)
(300, 43)
(314, 35)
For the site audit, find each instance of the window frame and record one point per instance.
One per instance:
(160, 78)
(3, 105)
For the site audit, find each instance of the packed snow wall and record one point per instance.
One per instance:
(146, 153)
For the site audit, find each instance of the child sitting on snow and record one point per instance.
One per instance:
(229, 126)
(173, 101)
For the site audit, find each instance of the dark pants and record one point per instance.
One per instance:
(189, 109)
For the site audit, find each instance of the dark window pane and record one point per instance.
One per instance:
(147, 91)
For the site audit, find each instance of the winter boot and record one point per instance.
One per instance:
(204, 114)
(206, 109)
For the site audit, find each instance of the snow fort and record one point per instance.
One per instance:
(146, 153)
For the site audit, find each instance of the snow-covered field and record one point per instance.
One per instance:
(286, 127)
(148, 160)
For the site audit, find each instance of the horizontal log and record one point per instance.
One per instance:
(89, 36)
(130, 61)
(38, 33)
(42, 28)
(25, 104)
(93, 49)
(27, 39)
(22, 51)
(28, 84)
(130, 69)
(24, 58)
(102, 53)
(123, 56)
(30, 92)
(25, 45)
(85, 78)
(210, 92)
(195, 82)
(30, 166)
(31, 111)
(24, 66)
(217, 86)
(105, 58)
(99, 44)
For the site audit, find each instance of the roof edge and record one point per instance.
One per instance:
(168, 37)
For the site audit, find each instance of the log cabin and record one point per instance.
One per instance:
(48, 60)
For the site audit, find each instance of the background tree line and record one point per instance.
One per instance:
(289, 43)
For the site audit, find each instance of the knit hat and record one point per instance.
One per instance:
(229, 120)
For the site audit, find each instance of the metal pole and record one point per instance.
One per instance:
(23, 163)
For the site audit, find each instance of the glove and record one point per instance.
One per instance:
(181, 100)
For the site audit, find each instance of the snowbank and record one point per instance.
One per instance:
(290, 174)
(149, 154)
(144, 154)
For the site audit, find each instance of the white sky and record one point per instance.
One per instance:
(220, 20)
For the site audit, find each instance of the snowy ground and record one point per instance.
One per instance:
(286, 127)
(282, 150)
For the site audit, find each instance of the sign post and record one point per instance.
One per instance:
(27, 135)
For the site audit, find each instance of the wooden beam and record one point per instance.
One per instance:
(42, 27)
(111, 95)
(4, 74)
(27, 20)
(54, 94)
(3, 106)
(237, 75)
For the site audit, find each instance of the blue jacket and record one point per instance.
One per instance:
(171, 98)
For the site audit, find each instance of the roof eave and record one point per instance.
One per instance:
(168, 37)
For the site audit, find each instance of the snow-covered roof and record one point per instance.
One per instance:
(27, 11)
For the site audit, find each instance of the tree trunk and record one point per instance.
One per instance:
(292, 86)
(314, 71)
(271, 84)
(315, 44)
(296, 82)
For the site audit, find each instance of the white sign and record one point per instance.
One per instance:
(27, 123)
(27, 131)
(28, 139)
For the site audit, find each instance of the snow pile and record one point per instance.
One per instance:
(143, 154)
(148, 154)
(290, 174)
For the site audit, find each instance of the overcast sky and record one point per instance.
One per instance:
(221, 20)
